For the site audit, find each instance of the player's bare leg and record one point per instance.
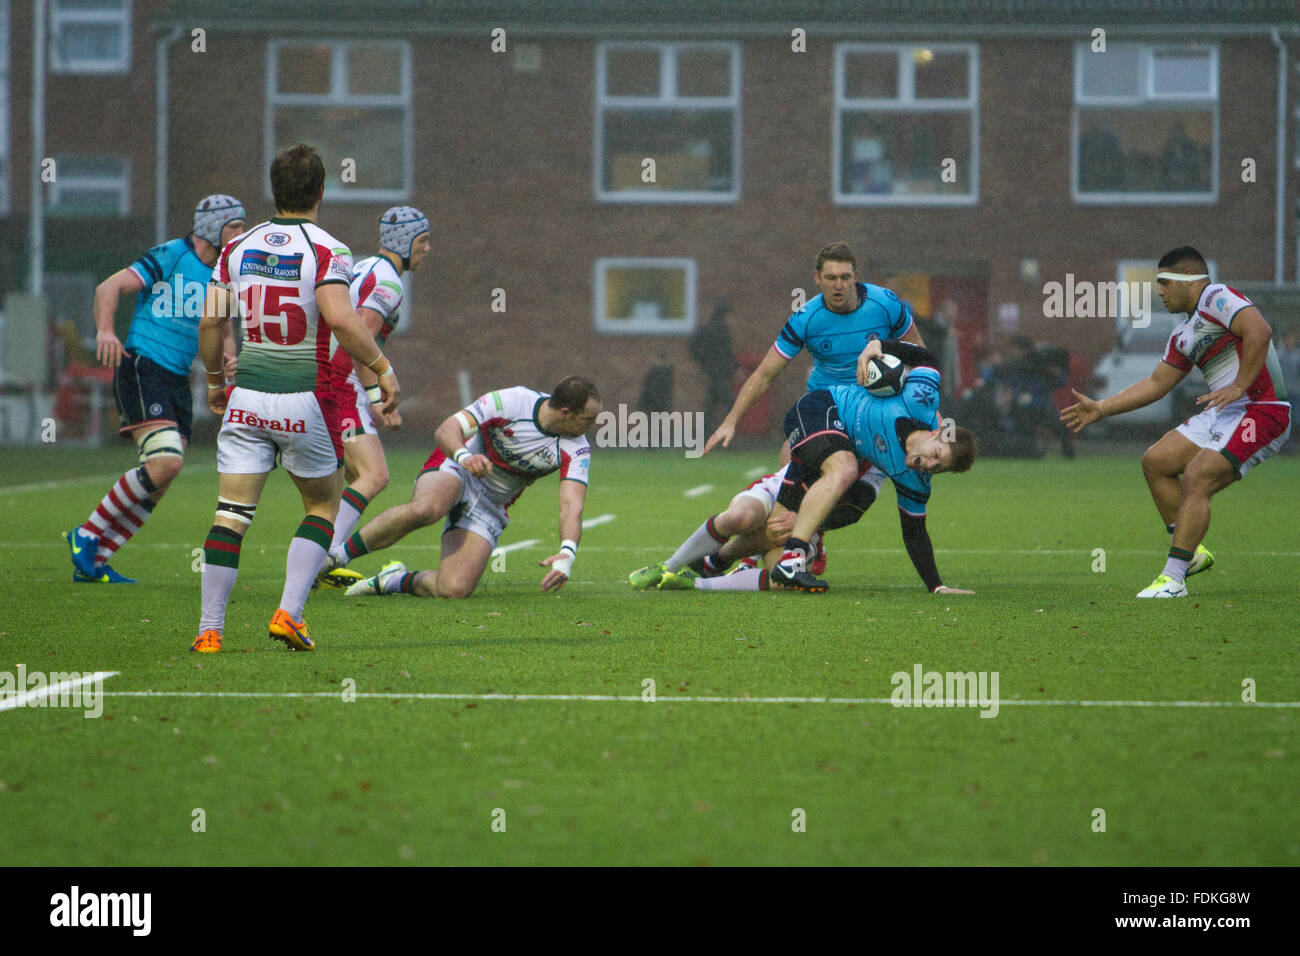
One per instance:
(434, 495)
(838, 472)
(1207, 474)
(1162, 464)
(464, 559)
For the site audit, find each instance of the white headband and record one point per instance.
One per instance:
(1182, 277)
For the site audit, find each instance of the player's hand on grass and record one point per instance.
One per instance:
(944, 589)
(556, 577)
(109, 349)
(1083, 413)
(1221, 396)
(724, 434)
(873, 350)
(389, 391)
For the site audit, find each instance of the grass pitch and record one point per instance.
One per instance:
(278, 777)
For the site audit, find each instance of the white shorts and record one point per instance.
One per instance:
(765, 490)
(257, 425)
(474, 510)
(355, 412)
(1246, 433)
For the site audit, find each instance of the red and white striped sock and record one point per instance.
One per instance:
(121, 513)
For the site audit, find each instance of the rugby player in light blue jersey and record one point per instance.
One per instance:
(832, 430)
(834, 326)
(151, 381)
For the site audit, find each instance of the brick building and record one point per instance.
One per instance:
(608, 174)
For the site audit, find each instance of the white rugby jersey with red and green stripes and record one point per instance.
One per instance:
(508, 432)
(375, 285)
(1203, 340)
(274, 269)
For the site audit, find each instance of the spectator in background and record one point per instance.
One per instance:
(712, 352)
(657, 386)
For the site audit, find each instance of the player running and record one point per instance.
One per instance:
(290, 279)
(744, 528)
(903, 436)
(1246, 418)
(152, 385)
(487, 454)
(835, 326)
(376, 291)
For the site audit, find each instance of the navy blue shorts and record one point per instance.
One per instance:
(816, 430)
(149, 394)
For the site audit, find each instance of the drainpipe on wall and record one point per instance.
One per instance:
(1279, 227)
(161, 107)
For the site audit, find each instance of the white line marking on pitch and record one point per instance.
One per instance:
(97, 479)
(596, 521)
(517, 546)
(610, 698)
(697, 491)
(53, 690)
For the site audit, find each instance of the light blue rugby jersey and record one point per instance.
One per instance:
(836, 339)
(872, 423)
(165, 325)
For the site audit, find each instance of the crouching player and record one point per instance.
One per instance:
(487, 455)
(752, 524)
(831, 429)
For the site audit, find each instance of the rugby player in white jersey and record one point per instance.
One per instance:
(1246, 419)
(289, 280)
(376, 291)
(487, 454)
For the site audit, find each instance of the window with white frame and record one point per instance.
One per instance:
(352, 101)
(906, 127)
(667, 122)
(642, 296)
(89, 186)
(90, 36)
(1146, 123)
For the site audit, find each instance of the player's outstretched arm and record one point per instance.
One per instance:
(451, 436)
(1156, 386)
(917, 541)
(759, 381)
(108, 348)
(336, 309)
(214, 327)
(573, 495)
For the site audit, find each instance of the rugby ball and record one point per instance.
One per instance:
(884, 376)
